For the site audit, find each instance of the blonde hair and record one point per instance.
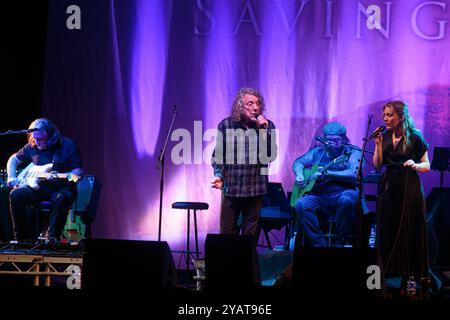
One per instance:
(407, 123)
(43, 124)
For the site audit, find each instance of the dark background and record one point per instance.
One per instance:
(23, 34)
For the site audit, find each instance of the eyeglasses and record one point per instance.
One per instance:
(334, 139)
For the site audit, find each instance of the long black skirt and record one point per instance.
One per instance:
(401, 226)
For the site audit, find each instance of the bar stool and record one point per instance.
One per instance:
(331, 235)
(191, 206)
(42, 216)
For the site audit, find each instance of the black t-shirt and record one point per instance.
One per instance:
(67, 155)
(394, 158)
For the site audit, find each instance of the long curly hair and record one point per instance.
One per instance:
(44, 124)
(238, 103)
(407, 123)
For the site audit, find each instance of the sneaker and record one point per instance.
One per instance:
(43, 237)
(52, 241)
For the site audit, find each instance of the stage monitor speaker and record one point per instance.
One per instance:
(230, 262)
(337, 273)
(126, 267)
(88, 194)
(438, 223)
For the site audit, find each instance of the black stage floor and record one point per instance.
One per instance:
(42, 272)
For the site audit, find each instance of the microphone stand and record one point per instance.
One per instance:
(16, 132)
(359, 179)
(350, 146)
(161, 166)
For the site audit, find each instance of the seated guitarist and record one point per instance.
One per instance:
(45, 145)
(334, 190)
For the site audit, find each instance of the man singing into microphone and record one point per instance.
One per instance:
(45, 146)
(334, 191)
(245, 144)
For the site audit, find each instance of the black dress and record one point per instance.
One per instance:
(401, 226)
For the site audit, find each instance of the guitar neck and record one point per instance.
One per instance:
(327, 166)
(45, 175)
(337, 160)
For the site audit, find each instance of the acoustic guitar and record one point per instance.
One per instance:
(310, 179)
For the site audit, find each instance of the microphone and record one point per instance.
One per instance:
(378, 130)
(256, 120)
(32, 130)
(323, 140)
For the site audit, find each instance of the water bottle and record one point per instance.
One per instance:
(372, 237)
(411, 287)
(292, 242)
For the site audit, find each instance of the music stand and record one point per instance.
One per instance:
(441, 162)
(275, 211)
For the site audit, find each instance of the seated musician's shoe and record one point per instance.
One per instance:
(43, 237)
(53, 242)
(339, 243)
(20, 241)
(342, 243)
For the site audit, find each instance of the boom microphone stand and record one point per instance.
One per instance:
(161, 166)
(18, 132)
(359, 180)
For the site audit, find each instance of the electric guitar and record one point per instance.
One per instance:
(310, 179)
(32, 173)
(75, 229)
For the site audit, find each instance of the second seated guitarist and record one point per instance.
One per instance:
(325, 185)
(45, 146)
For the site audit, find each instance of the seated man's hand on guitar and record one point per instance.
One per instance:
(52, 175)
(300, 181)
(217, 183)
(12, 181)
(319, 176)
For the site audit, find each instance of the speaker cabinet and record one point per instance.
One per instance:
(333, 272)
(88, 194)
(125, 267)
(438, 223)
(230, 262)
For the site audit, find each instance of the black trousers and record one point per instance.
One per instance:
(25, 219)
(230, 209)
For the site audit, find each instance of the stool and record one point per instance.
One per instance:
(43, 215)
(331, 235)
(191, 206)
(42, 212)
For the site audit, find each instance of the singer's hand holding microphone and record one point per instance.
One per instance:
(377, 135)
(261, 121)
